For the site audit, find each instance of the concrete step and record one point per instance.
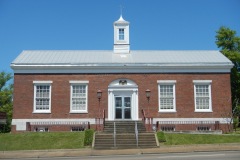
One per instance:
(124, 126)
(125, 136)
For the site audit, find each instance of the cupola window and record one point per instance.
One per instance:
(121, 34)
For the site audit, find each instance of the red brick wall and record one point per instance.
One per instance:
(60, 107)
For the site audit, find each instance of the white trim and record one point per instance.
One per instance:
(122, 68)
(129, 89)
(221, 120)
(85, 83)
(167, 82)
(39, 83)
(203, 82)
(42, 82)
(21, 123)
(79, 82)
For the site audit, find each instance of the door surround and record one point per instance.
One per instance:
(123, 87)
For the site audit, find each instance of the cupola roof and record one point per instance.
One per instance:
(121, 20)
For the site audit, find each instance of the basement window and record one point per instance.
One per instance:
(168, 128)
(77, 129)
(41, 129)
(203, 128)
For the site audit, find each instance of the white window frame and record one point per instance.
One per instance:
(203, 82)
(42, 83)
(73, 83)
(167, 82)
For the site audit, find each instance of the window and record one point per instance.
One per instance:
(78, 128)
(78, 97)
(41, 129)
(166, 90)
(202, 93)
(121, 34)
(42, 96)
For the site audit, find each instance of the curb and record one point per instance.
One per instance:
(92, 152)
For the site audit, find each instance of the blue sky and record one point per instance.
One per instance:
(88, 24)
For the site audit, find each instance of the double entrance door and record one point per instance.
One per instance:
(122, 107)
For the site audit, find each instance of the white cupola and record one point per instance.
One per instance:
(121, 36)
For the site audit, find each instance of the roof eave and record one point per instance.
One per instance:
(122, 68)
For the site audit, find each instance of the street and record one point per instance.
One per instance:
(221, 155)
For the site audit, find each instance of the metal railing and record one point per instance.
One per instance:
(147, 121)
(114, 134)
(136, 133)
(103, 118)
(100, 121)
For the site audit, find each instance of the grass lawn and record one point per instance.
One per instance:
(184, 139)
(41, 141)
(75, 140)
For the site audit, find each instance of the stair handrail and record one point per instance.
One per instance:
(136, 133)
(114, 134)
(103, 118)
(143, 116)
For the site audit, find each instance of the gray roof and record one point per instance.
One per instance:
(93, 58)
(52, 57)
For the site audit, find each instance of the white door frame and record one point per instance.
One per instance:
(129, 88)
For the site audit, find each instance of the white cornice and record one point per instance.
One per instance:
(117, 68)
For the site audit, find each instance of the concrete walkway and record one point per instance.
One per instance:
(92, 152)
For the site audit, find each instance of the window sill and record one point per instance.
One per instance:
(204, 111)
(41, 112)
(162, 111)
(78, 112)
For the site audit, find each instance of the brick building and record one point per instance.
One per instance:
(68, 90)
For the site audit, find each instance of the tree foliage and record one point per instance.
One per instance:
(6, 91)
(227, 39)
(229, 44)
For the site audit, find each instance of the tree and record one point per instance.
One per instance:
(227, 40)
(6, 91)
(229, 43)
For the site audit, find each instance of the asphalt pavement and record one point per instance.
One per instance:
(138, 151)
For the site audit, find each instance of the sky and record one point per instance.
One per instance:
(88, 24)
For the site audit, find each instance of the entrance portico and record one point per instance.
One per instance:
(123, 100)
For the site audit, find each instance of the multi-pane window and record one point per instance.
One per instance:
(42, 97)
(167, 96)
(78, 97)
(202, 90)
(121, 34)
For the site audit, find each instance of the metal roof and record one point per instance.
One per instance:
(88, 57)
(137, 61)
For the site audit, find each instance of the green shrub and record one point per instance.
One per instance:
(88, 137)
(161, 137)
